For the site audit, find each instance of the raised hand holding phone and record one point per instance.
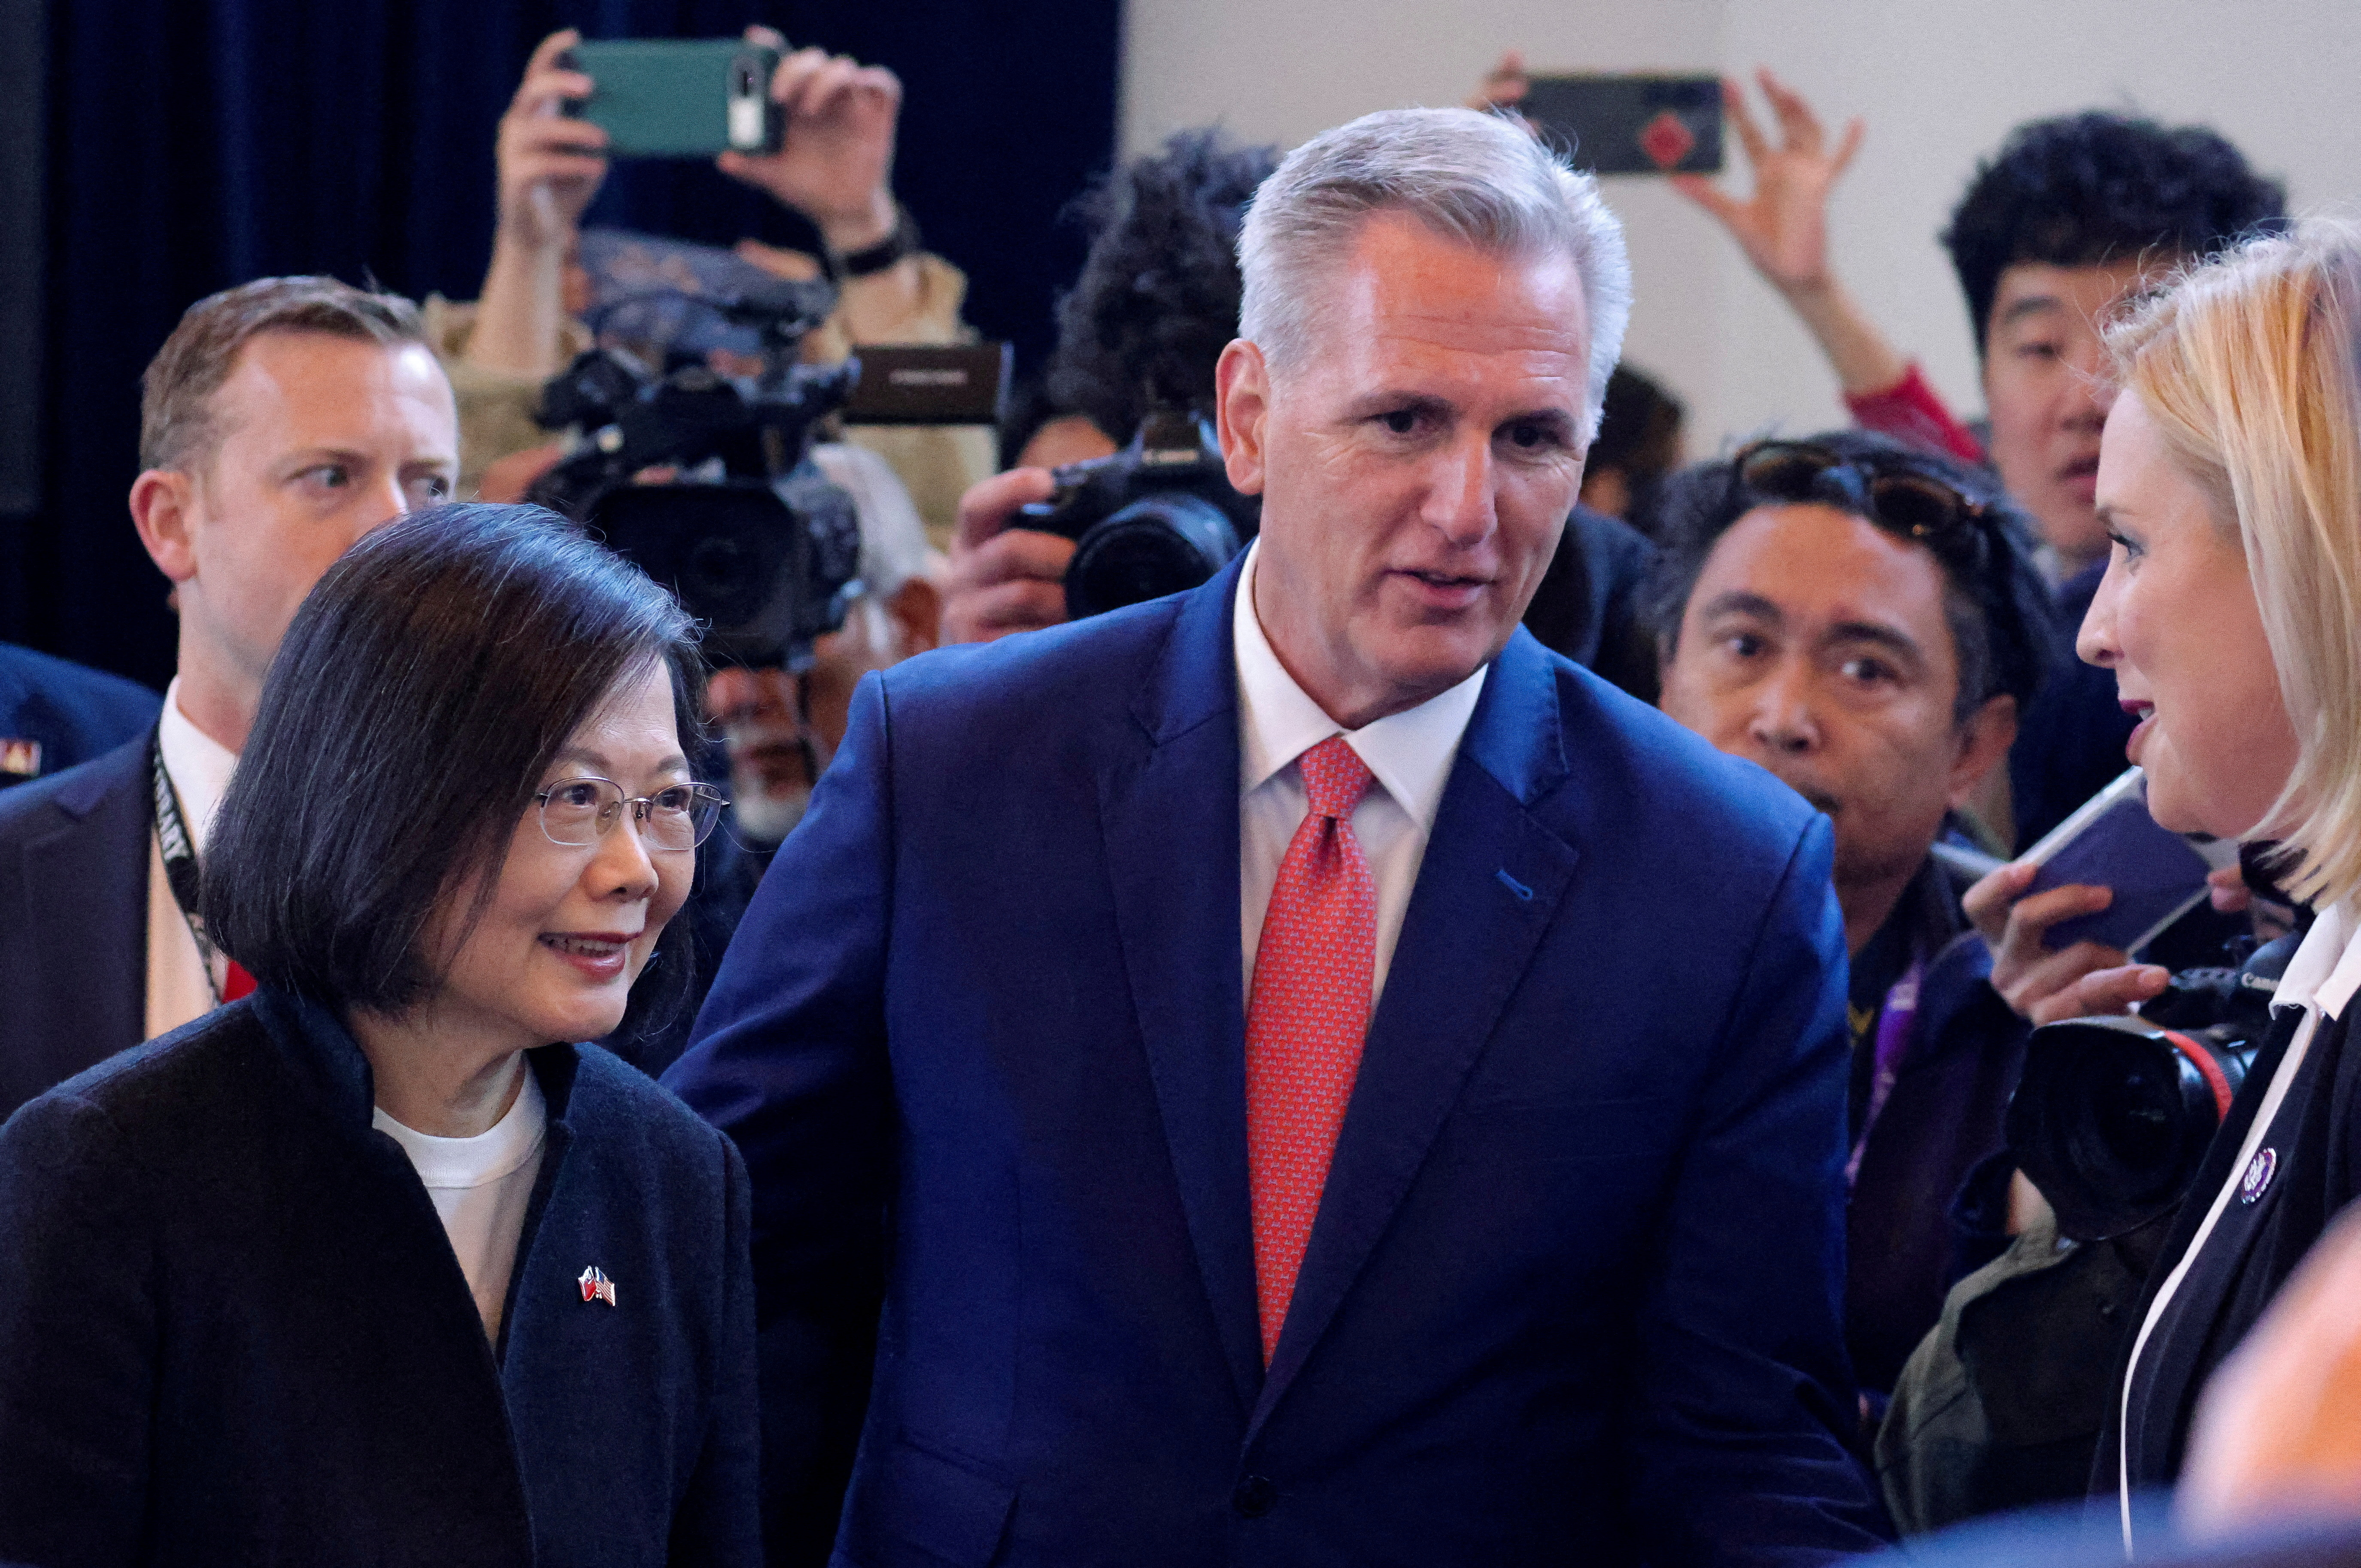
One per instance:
(835, 163)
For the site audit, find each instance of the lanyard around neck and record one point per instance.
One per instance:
(179, 853)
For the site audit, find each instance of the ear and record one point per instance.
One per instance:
(916, 608)
(1242, 408)
(1984, 741)
(163, 509)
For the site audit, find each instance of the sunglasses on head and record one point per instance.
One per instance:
(1916, 506)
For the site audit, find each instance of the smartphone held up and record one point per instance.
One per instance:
(1630, 125)
(680, 97)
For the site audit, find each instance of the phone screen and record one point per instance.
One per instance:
(1632, 125)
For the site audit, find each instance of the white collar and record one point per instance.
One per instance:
(198, 765)
(1410, 752)
(2326, 969)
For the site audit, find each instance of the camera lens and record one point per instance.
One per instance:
(1160, 544)
(2111, 1118)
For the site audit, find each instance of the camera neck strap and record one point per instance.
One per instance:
(178, 850)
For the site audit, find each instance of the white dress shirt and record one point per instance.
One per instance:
(1409, 752)
(2321, 978)
(481, 1186)
(199, 766)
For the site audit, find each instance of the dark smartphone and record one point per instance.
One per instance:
(679, 97)
(924, 384)
(1632, 125)
(2111, 842)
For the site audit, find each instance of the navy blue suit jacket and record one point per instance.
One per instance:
(73, 920)
(72, 713)
(1573, 1290)
(232, 1329)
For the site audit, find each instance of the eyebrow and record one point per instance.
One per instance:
(1739, 601)
(2031, 306)
(1391, 400)
(677, 762)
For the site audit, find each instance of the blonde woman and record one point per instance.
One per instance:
(2230, 483)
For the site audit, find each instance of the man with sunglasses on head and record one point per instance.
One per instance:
(1865, 619)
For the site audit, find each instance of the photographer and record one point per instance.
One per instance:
(834, 168)
(1864, 620)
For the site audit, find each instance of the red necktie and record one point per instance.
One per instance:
(235, 982)
(1310, 1007)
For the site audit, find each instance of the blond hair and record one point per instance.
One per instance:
(2247, 363)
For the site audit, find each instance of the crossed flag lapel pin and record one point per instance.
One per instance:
(596, 1285)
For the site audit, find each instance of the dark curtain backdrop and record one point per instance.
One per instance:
(198, 143)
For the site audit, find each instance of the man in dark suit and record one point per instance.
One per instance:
(280, 420)
(1295, 1072)
(54, 715)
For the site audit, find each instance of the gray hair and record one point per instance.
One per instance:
(1479, 178)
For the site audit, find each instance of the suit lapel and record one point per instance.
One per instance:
(1486, 888)
(87, 889)
(1169, 804)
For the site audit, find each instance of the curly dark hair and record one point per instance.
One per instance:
(2087, 189)
(2005, 628)
(1158, 297)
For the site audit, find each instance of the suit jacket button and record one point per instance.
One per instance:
(1254, 1497)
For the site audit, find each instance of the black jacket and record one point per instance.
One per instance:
(73, 920)
(232, 1330)
(2313, 1170)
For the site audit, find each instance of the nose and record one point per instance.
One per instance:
(1460, 490)
(1783, 720)
(624, 868)
(2095, 642)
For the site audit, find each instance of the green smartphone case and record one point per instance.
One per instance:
(679, 97)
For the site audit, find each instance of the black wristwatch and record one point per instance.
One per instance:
(900, 241)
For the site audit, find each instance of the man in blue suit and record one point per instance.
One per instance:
(54, 714)
(1294, 1072)
(281, 421)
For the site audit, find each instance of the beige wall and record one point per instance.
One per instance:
(1939, 84)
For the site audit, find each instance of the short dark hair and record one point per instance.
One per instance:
(2004, 621)
(1156, 300)
(177, 429)
(426, 683)
(2090, 189)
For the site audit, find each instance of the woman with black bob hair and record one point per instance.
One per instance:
(372, 1266)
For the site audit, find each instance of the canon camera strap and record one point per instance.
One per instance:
(179, 853)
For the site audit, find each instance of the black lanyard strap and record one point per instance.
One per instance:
(178, 852)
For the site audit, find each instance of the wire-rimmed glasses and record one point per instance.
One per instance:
(577, 813)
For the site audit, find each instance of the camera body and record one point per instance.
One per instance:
(747, 532)
(2112, 1115)
(1157, 517)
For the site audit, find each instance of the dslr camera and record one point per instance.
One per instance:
(2112, 1115)
(1157, 517)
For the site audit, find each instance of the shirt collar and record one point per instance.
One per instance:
(198, 765)
(2326, 969)
(1409, 752)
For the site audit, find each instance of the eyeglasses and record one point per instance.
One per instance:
(579, 812)
(1916, 506)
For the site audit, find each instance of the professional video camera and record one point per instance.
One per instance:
(1157, 518)
(2112, 1115)
(741, 523)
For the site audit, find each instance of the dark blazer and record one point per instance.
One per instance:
(1942, 1119)
(73, 920)
(232, 1330)
(1587, 605)
(1572, 1293)
(2316, 1145)
(71, 712)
